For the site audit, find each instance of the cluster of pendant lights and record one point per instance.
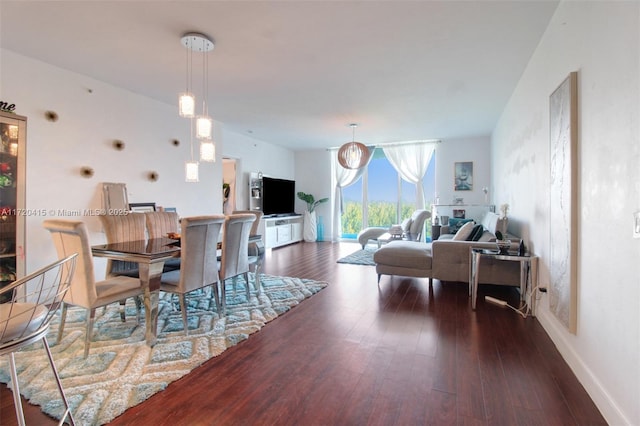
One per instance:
(197, 42)
(353, 155)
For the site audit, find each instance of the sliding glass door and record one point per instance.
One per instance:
(381, 198)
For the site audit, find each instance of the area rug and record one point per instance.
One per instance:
(360, 257)
(122, 371)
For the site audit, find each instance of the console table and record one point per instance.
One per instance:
(280, 231)
(528, 272)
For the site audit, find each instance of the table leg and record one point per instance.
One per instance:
(534, 285)
(475, 270)
(524, 273)
(150, 275)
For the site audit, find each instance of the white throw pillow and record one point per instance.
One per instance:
(464, 232)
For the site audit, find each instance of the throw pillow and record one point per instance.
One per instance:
(476, 233)
(464, 232)
(455, 224)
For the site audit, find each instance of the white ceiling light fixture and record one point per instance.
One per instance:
(207, 151)
(353, 155)
(197, 42)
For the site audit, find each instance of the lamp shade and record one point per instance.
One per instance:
(207, 151)
(353, 155)
(186, 105)
(204, 125)
(191, 171)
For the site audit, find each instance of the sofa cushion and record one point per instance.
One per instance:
(455, 224)
(405, 254)
(464, 232)
(476, 233)
(492, 223)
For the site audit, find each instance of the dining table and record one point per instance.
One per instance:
(150, 255)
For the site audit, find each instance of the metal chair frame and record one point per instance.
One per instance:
(26, 318)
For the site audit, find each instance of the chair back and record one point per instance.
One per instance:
(257, 213)
(159, 224)
(198, 247)
(33, 303)
(119, 228)
(235, 245)
(72, 237)
(126, 227)
(418, 218)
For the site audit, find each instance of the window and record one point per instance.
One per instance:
(381, 198)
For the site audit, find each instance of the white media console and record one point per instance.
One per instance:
(280, 231)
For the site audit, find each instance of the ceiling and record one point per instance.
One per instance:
(296, 73)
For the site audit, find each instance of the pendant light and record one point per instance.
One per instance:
(197, 42)
(353, 155)
(191, 173)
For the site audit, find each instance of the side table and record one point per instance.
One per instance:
(528, 272)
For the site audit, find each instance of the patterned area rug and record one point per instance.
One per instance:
(361, 257)
(122, 371)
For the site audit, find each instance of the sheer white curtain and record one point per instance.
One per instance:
(342, 178)
(411, 161)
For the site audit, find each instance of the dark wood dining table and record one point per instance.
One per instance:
(150, 256)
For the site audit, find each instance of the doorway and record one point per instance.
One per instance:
(229, 167)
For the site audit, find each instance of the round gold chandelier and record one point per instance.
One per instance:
(353, 155)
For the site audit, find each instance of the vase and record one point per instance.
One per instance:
(310, 232)
(320, 228)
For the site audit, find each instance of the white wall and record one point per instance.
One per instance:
(313, 176)
(88, 123)
(600, 40)
(254, 155)
(451, 151)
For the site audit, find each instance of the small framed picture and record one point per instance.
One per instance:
(142, 207)
(459, 213)
(463, 176)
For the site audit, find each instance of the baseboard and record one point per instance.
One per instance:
(601, 398)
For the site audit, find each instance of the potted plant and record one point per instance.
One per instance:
(310, 233)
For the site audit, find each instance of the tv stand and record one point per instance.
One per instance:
(281, 230)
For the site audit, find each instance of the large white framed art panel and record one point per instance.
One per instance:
(563, 215)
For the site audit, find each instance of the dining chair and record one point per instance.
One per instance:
(72, 237)
(256, 244)
(120, 228)
(199, 264)
(235, 257)
(159, 225)
(25, 318)
(117, 229)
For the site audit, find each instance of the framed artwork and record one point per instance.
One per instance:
(463, 176)
(459, 213)
(142, 207)
(563, 149)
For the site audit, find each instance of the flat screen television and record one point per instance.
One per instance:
(278, 196)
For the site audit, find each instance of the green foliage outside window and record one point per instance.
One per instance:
(381, 214)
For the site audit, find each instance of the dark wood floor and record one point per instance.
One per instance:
(355, 353)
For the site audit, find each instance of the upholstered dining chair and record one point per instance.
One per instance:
(120, 228)
(159, 224)
(72, 237)
(256, 246)
(235, 257)
(25, 318)
(199, 263)
(117, 229)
